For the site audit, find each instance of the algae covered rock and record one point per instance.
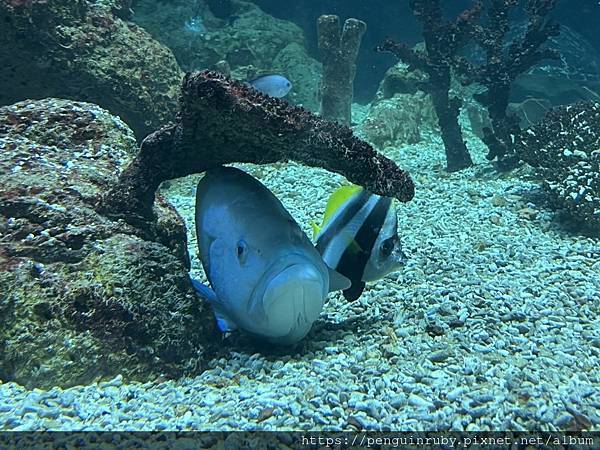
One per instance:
(80, 50)
(250, 41)
(295, 62)
(400, 112)
(564, 149)
(199, 40)
(83, 297)
(395, 121)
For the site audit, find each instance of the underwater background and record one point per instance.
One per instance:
(493, 321)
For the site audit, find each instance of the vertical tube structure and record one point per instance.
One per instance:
(339, 49)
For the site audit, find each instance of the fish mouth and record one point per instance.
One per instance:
(291, 298)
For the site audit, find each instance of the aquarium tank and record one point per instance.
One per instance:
(355, 224)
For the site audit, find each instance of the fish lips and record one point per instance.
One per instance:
(289, 298)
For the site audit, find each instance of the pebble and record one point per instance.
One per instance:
(419, 402)
(455, 394)
(398, 400)
(439, 356)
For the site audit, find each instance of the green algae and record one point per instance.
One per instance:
(78, 50)
(83, 297)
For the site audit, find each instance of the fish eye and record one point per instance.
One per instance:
(241, 249)
(387, 246)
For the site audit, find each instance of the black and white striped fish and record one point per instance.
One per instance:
(359, 237)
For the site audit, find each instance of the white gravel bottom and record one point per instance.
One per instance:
(492, 324)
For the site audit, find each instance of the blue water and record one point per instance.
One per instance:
(491, 148)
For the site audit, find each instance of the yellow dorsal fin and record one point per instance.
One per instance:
(338, 199)
(315, 228)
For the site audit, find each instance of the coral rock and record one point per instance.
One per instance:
(339, 49)
(565, 150)
(79, 50)
(249, 40)
(401, 112)
(83, 297)
(224, 121)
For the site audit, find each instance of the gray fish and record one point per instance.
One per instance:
(273, 85)
(266, 276)
(359, 237)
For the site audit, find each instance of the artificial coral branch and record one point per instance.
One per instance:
(443, 41)
(503, 66)
(223, 121)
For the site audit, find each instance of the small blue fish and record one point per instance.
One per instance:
(273, 85)
(195, 25)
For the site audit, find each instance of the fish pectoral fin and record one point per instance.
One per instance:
(354, 291)
(204, 291)
(337, 281)
(352, 246)
(224, 323)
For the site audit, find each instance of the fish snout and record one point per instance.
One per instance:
(293, 300)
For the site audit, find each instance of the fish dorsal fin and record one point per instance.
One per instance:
(337, 281)
(257, 76)
(339, 198)
(315, 228)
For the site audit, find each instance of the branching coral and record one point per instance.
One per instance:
(504, 63)
(565, 150)
(443, 41)
(223, 121)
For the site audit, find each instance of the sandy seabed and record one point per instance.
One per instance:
(493, 324)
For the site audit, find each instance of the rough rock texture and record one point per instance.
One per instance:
(395, 121)
(224, 121)
(339, 50)
(79, 50)
(400, 112)
(295, 62)
(250, 41)
(565, 150)
(120, 8)
(83, 297)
